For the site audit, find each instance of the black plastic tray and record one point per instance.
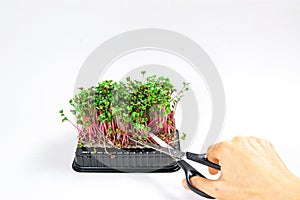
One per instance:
(127, 160)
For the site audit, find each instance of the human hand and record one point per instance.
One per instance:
(250, 169)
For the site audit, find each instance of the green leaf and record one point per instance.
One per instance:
(183, 136)
(134, 115)
(160, 125)
(64, 119)
(168, 110)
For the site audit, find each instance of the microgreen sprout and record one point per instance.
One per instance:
(112, 113)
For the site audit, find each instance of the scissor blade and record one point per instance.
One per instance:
(169, 151)
(166, 148)
(160, 141)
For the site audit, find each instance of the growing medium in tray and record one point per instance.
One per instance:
(121, 114)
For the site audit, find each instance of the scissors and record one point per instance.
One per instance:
(188, 169)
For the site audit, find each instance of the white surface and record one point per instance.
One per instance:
(255, 47)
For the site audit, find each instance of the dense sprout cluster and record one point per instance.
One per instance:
(121, 114)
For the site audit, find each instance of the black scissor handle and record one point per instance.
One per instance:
(202, 159)
(189, 173)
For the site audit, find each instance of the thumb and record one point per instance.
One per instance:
(207, 186)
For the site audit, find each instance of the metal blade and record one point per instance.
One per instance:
(166, 148)
(169, 151)
(160, 141)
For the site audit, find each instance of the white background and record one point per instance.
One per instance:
(254, 44)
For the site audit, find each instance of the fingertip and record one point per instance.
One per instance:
(205, 185)
(212, 171)
(184, 184)
(196, 180)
